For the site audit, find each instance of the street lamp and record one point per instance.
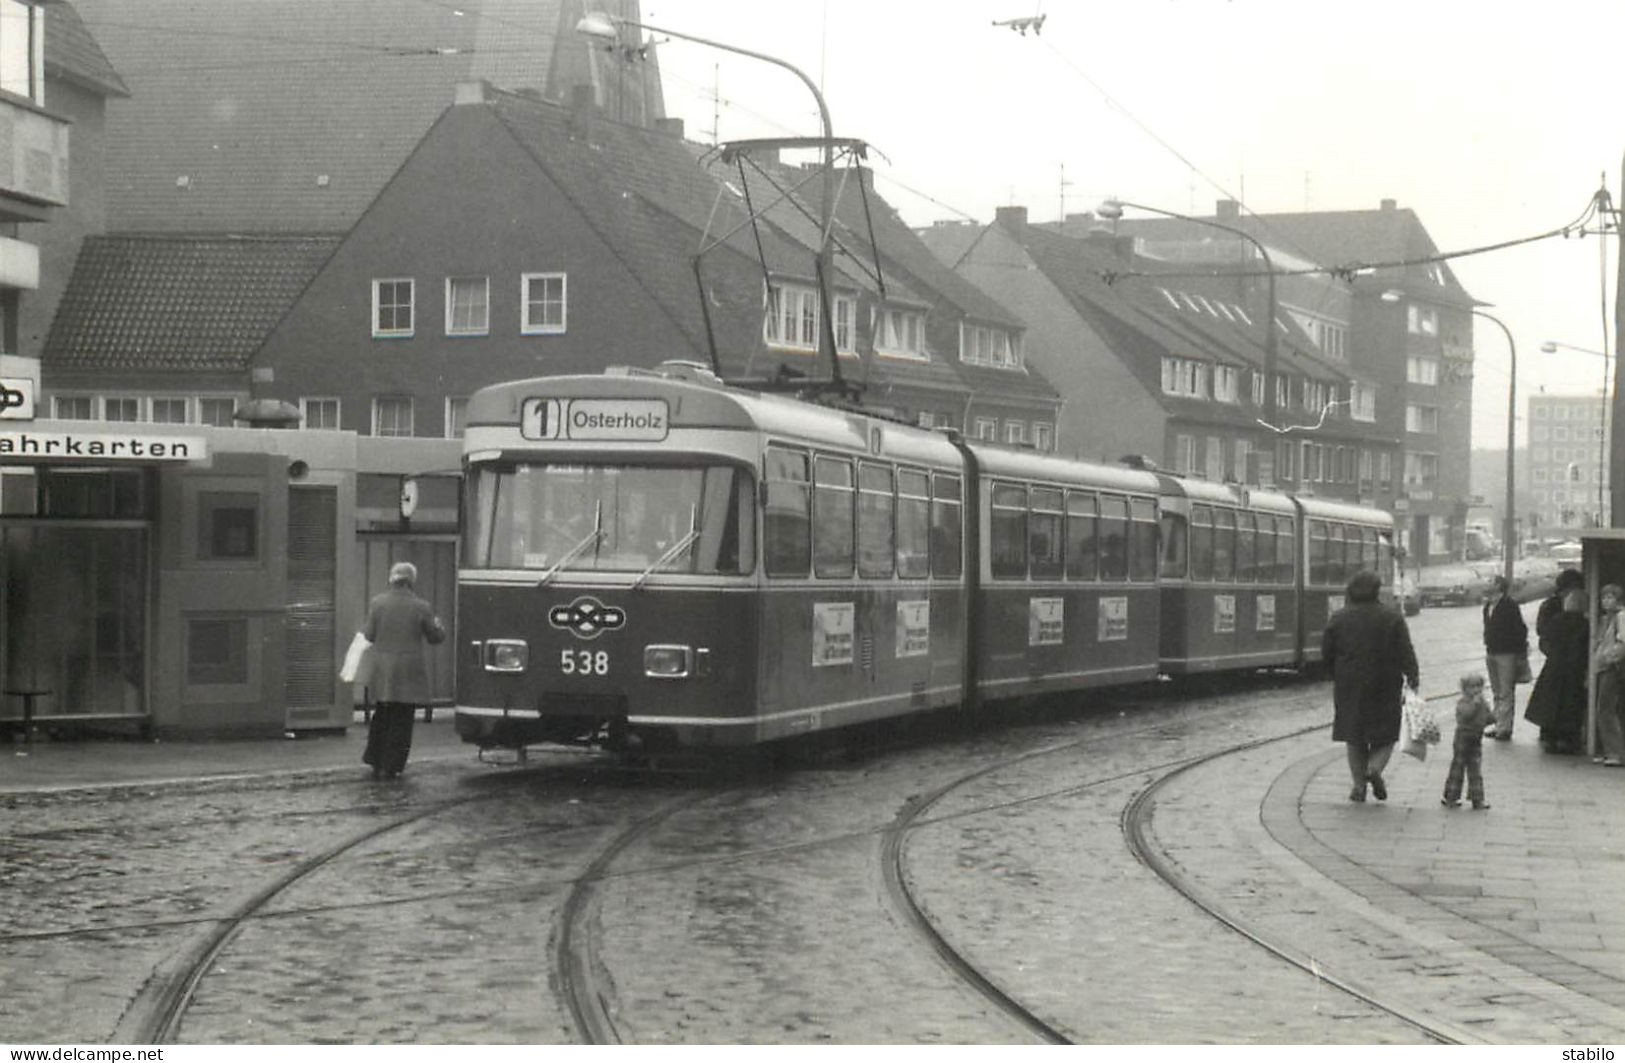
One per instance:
(1112, 209)
(1508, 522)
(605, 27)
(1552, 347)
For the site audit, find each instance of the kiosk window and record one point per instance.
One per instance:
(228, 526)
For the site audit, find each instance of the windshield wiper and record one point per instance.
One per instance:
(676, 550)
(593, 538)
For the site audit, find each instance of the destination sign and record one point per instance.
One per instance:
(635, 420)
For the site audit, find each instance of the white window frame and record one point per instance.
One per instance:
(989, 346)
(22, 59)
(1184, 454)
(305, 404)
(204, 401)
(1421, 320)
(140, 409)
(186, 408)
(1420, 369)
(447, 417)
(1015, 433)
(411, 414)
(394, 333)
(987, 428)
(1043, 437)
(900, 333)
(529, 327)
(58, 402)
(1226, 384)
(483, 308)
(1362, 401)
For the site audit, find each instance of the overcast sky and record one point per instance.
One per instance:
(1492, 120)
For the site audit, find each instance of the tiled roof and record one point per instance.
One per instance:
(72, 53)
(291, 115)
(179, 302)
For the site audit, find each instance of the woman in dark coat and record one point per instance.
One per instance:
(1367, 647)
(399, 625)
(1557, 704)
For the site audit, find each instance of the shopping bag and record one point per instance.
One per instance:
(1417, 719)
(1524, 674)
(1414, 747)
(357, 667)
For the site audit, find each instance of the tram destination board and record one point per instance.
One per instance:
(638, 420)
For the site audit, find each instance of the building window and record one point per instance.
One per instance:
(1185, 377)
(1362, 402)
(1421, 419)
(216, 411)
(1243, 448)
(1015, 432)
(1184, 454)
(1560, 434)
(74, 407)
(987, 428)
(320, 413)
(392, 307)
(1421, 320)
(1043, 437)
(983, 345)
(1314, 396)
(456, 417)
(171, 411)
(468, 306)
(1421, 370)
(543, 296)
(1258, 388)
(901, 333)
(1539, 412)
(21, 54)
(121, 408)
(1283, 392)
(392, 415)
(1540, 476)
(1226, 383)
(228, 526)
(1421, 470)
(1213, 469)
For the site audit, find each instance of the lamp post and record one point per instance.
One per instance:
(1552, 347)
(1508, 524)
(1112, 209)
(606, 27)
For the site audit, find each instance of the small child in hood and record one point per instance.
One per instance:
(1473, 714)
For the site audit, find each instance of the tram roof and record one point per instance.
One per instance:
(1227, 494)
(697, 404)
(1325, 509)
(1028, 464)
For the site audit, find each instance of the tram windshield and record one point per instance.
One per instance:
(609, 518)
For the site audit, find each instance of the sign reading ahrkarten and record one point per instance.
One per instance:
(101, 446)
(638, 420)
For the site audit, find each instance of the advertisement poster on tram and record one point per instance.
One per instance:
(1113, 619)
(913, 628)
(1046, 621)
(832, 633)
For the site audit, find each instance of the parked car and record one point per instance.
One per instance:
(1454, 585)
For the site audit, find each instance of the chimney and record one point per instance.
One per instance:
(583, 105)
(469, 92)
(1389, 204)
(1012, 218)
(1226, 210)
(671, 127)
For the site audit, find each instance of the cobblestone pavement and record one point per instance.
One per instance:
(758, 913)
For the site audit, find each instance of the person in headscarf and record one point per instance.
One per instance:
(399, 626)
(1557, 704)
(1367, 647)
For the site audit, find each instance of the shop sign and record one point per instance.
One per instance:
(16, 398)
(101, 446)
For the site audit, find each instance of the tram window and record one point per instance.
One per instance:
(1286, 550)
(1317, 552)
(1246, 547)
(1224, 544)
(1142, 539)
(876, 544)
(832, 517)
(947, 527)
(1385, 559)
(1009, 531)
(1368, 550)
(913, 524)
(1175, 545)
(1342, 554)
(787, 538)
(1082, 537)
(1044, 533)
(1264, 563)
(1201, 542)
(1113, 537)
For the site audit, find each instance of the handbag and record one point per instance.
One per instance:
(357, 666)
(1523, 675)
(1419, 722)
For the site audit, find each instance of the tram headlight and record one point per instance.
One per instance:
(667, 662)
(506, 655)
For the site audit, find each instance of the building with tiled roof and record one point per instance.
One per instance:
(1153, 359)
(160, 327)
(1382, 301)
(291, 116)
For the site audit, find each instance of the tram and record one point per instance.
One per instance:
(651, 558)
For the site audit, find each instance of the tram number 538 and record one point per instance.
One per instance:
(584, 662)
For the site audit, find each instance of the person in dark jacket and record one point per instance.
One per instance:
(1506, 641)
(1367, 647)
(1557, 704)
(399, 626)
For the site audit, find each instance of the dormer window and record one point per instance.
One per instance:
(792, 319)
(985, 345)
(1185, 377)
(900, 333)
